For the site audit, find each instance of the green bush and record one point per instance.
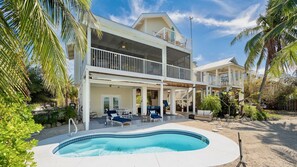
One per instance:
(212, 103)
(70, 113)
(249, 110)
(252, 112)
(16, 127)
(41, 118)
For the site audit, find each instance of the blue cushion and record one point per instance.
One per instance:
(122, 120)
(155, 116)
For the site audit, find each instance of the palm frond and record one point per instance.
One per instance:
(285, 60)
(28, 34)
(245, 33)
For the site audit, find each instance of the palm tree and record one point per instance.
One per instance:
(269, 42)
(28, 31)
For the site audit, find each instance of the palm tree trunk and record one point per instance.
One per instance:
(271, 53)
(263, 81)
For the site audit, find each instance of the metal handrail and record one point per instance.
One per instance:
(178, 67)
(69, 128)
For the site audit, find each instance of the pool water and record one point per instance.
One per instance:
(101, 145)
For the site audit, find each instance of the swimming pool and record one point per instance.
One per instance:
(115, 144)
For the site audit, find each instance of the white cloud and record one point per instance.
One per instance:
(137, 7)
(244, 20)
(228, 9)
(198, 58)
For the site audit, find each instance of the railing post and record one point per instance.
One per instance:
(144, 66)
(120, 62)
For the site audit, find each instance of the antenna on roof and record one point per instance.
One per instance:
(191, 18)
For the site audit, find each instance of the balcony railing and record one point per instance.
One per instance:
(117, 61)
(178, 72)
(170, 36)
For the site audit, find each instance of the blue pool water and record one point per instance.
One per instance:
(114, 144)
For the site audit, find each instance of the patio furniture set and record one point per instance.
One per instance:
(123, 116)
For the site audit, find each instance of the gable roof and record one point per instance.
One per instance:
(164, 15)
(220, 63)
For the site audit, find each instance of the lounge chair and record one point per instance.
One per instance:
(154, 115)
(114, 117)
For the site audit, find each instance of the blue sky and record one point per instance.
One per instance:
(215, 22)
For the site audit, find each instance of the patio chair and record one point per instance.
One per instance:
(114, 117)
(154, 115)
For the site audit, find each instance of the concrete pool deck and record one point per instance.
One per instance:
(221, 150)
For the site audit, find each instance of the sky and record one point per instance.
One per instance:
(215, 22)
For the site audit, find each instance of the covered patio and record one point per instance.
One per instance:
(101, 93)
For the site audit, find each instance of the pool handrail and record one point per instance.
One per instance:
(69, 126)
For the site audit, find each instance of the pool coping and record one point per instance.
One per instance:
(221, 150)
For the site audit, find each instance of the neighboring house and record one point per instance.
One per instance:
(151, 57)
(223, 75)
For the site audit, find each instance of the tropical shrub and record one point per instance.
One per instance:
(17, 125)
(259, 116)
(249, 110)
(212, 103)
(70, 113)
(254, 114)
(229, 103)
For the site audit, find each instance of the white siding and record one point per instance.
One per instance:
(125, 95)
(154, 25)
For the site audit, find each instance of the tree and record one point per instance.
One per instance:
(17, 125)
(28, 31)
(273, 39)
(70, 91)
(38, 92)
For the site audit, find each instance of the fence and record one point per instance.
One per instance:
(290, 105)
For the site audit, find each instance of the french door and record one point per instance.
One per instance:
(111, 102)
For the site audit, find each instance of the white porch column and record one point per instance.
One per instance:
(217, 77)
(210, 90)
(242, 80)
(144, 100)
(134, 109)
(229, 76)
(234, 77)
(89, 40)
(206, 92)
(194, 99)
(207, 78)
(87, 102)
(161, 94)
(172, 101)
(188, 100)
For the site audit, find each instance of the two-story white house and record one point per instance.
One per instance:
(151, 57)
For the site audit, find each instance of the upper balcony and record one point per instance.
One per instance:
(122, 62)
(118, 61)
(172, 37)
(161, 26)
